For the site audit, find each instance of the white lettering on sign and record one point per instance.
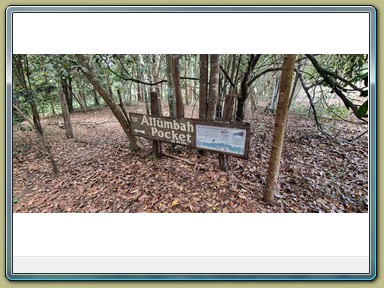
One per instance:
(161, 123)
(171, 130)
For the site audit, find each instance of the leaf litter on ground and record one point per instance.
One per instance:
(99, 173)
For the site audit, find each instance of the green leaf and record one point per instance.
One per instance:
(363, 109)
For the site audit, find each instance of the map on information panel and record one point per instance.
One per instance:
(230, 140)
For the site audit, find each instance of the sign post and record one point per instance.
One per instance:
(219, 136)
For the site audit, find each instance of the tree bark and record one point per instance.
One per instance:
(280, 123)
(40, 133)
(176, 83)
(253, 59)
(95, 97)
(213, 86)
(67, 94)
(155, 110)
(121, 104)
(89, 74)
(227, 116)
(70, 93)
(144, 79)
(155, 78)
(171, 89)
(66, 117)
(22, 68)
(203, 86)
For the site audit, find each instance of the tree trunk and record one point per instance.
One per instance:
(213, 86)
(78, 100)
(22, 67)
(95, 97)
(66, 117)
(280, 123)
(171, 89)
(293, 96)
(48, 94)
(144, 78)
(244, 87)
(70, 94)
(177, 86)
(156, 145)
(121, 104)
(67, 94)
(89, 74)
(139, 95)
(275, 96)
(83, 100)
(203, 86)
(155, 78)
(227, 116)
(40, 133)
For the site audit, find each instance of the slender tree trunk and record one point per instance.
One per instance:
(83, 100)
(144, 78)
(95, 97)
(66, 117)
(280, 123)
(78, 100)
(240, 113)
(253, 95)
(213, 86)
(156, 145)
(292, 97)
(275, 96)
(176, 83)
(22, 67)
(129, 96)
(186, 82)
(52, 105)
(48, 94)
(70, 94)
(227, 116)
(89, 74)
(121, 104)
(155, 78)
(139, 93)
(40, 133)
(171, 89)
(203, 86)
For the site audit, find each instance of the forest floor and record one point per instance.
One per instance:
(99, 173)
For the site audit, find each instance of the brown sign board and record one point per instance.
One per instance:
(231, 138)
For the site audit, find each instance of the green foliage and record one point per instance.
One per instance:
(152, 156)
(363, 110)
(336, 109)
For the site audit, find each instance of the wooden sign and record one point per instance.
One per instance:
(218, 136)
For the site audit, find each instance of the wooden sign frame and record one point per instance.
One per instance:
(223, 137)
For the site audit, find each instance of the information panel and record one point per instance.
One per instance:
(221, 139)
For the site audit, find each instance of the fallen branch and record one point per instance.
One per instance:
(17, 158)
(92, 123)
(357, 137)
(196, 165)
(61, 124)
(81, 141)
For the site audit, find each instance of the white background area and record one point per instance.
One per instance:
(191, 33)
(191, 234)
(187, 234)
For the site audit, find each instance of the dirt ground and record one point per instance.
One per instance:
(99, 173)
